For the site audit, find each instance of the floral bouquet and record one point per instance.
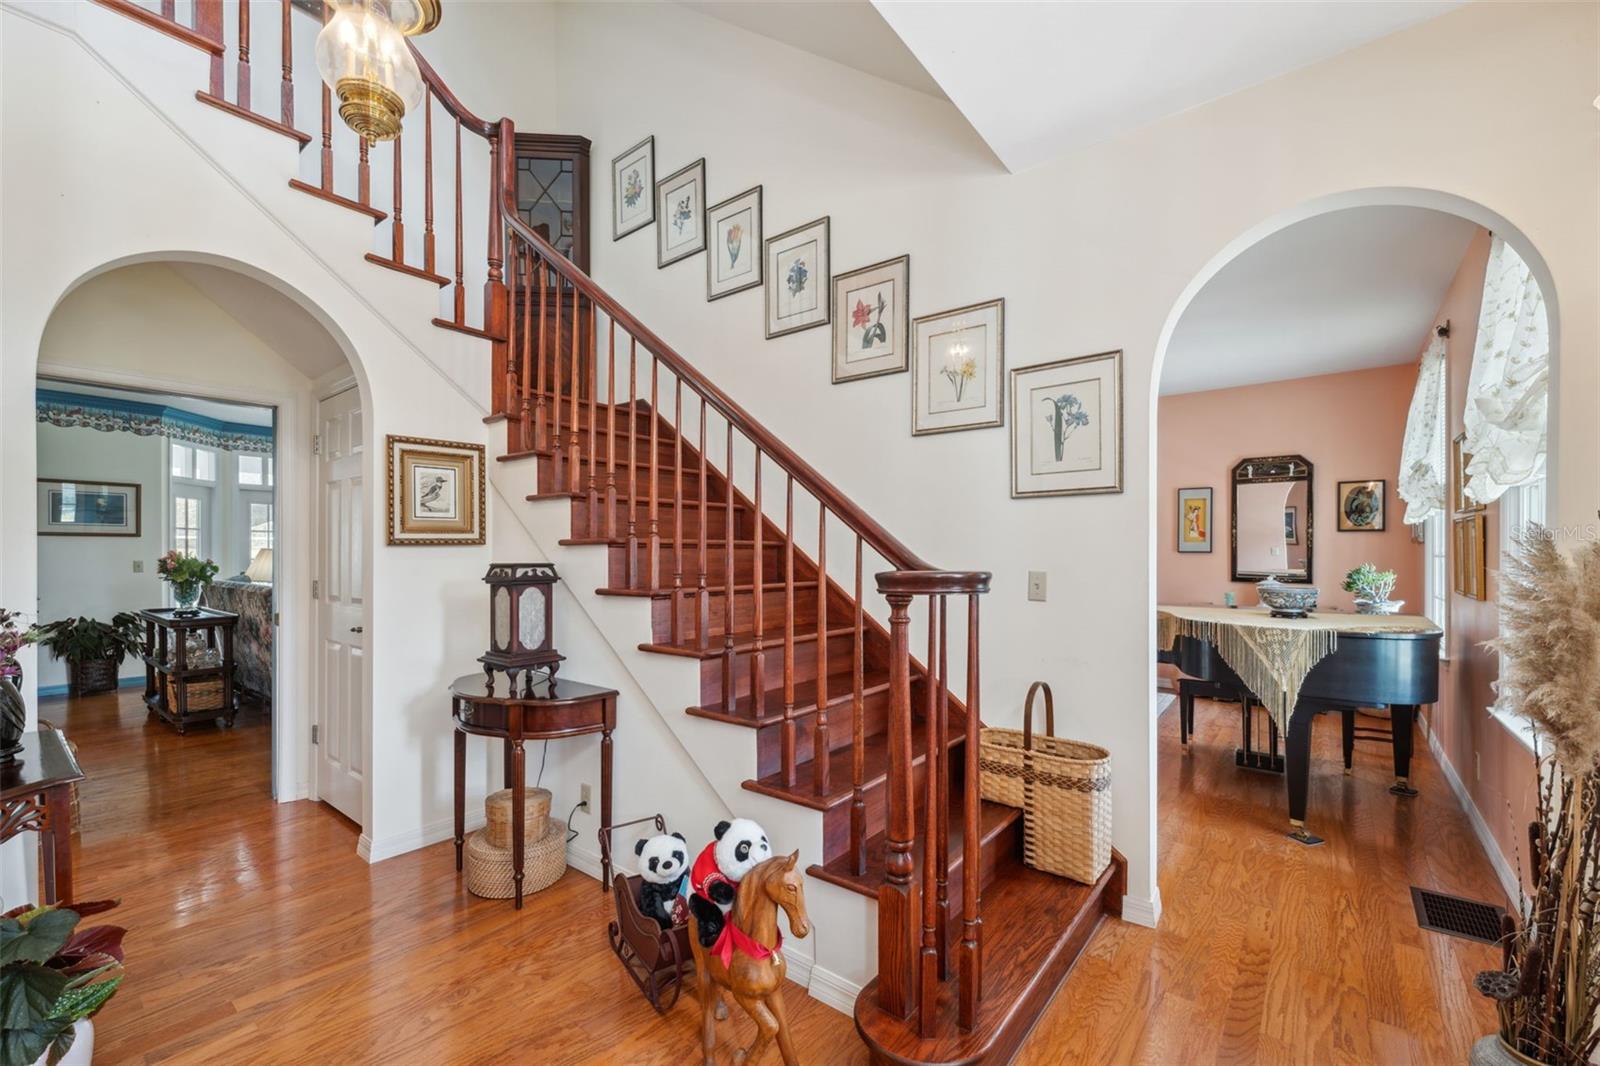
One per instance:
(188, 575)
(13, 714)
(14, 636)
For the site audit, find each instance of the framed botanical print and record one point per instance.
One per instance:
(681, 214)
(1460, 459)
(798, 279)
(733, 229)
(958, 369)
(1361, 506)
(872, 330)
(1194, 520)
(633, 179)
(88, 508)
(1471, 565)
(1066, 427)
(436, 491)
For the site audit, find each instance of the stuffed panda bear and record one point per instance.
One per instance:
(740, 846)
(663, 862)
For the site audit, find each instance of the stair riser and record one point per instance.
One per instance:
(666, 518)
(769, 739)
(575, 478)
(805, 666)
(772, 612)
(636, 450)
(716, 565)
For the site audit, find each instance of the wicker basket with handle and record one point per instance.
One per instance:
(1063, 787)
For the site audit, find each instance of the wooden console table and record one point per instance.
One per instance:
(547, 709)
(36, 796)
(163, 627)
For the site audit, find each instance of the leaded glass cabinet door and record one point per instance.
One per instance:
(552, 177)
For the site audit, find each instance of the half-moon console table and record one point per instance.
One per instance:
(546, 709)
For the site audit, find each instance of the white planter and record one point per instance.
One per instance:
(82, 1049)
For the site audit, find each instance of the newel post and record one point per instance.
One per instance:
(897, 897)
(496, 312)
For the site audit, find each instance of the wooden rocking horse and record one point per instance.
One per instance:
(747, 958)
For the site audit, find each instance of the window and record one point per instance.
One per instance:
(255, 470)
(260, 527)
(1436, 574)
(186, 532)
(194, 464)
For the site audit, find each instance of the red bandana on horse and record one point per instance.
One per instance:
(734, 937)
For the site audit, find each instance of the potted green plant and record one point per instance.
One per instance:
(1547, 989)
(188, 575)
(94, 650)
(1372, 587)
(53, 978)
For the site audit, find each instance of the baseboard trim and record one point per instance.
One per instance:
(1509, 883)
(377, 850)
(829, 989)
(1141, 911)
(585, 861)
(50, 691)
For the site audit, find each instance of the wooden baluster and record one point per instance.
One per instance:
(327, 115)
(729, 697)
(562, 474)
(593, 376)
(703, 602)
(758, 655)
(633, 463)
(286, 89)
(787, 739)
(858, 726)
(492, 306)
(526, 432)
(611, 429)
(169, 9)
(677, 508)
(461, 290)
(427, 183)
(897, 896)
(541, 428)
(969, 957)
(397, 229)
(653, 556)
(208, 23)
(508, 398)
(821, 779)
(242, 72)
(942, 812)
(928, 961)
(364, 174)
(574, 470)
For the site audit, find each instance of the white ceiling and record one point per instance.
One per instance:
(1039, 79)
(283, 325)
(222, 411)
(1348, 290)
(849, 32)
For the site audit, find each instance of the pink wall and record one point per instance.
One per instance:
(1348, 425)
(1495, 766)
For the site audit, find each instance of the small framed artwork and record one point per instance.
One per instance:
(1471, 565)
(88, 508)
(1291, 525)
(436, 492)
(798, 276)
(1460, 459)
(1066, 427)
(871, 331)
(958, 369)
(633, 176)
(734, 230)
(681, 214)
(1361, 506)
(1194, 520)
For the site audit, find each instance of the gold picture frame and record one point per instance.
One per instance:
(437, 495)
(1468, 546)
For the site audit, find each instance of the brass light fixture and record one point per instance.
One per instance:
(363, 56)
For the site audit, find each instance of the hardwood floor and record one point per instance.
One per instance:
(258, 936)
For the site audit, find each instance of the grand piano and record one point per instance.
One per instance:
(1391, 668)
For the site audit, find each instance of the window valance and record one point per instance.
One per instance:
(1508, 393)
(1424, 476)
(114, 415)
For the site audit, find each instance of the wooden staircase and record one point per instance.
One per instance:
(695, 504)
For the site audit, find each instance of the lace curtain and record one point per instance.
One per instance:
(1505, 416)
(1423, 474)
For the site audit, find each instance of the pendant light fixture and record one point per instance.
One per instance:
(362, 55)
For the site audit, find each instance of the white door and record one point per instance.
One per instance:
(341, 601)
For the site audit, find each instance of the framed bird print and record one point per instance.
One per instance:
(798, 279)
(734, 232)
(681, 214)
(633, 179)
(436, 491)
(871, 332)
(958, 369)
(1066, 427)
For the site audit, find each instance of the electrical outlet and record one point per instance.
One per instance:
(583, 798)
(1036, 585)
(138, 566)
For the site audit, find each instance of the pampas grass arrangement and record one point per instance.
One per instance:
(1548, 989)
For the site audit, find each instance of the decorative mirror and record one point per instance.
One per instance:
(1271, 518)
(520, 627)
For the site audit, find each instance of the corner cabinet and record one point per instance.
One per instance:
(553, 191)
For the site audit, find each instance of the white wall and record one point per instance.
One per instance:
(1091, 252)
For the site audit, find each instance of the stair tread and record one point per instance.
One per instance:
(874, 769)
(993, 820)
(841, 690)
(743, 641)
(691, 542)
(768, 587)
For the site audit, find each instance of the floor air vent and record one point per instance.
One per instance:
(1457, 915)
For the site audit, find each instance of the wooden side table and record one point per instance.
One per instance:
(546, 709)
(165, 627)
(36, 796)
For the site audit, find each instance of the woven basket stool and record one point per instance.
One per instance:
(489, 872)
(535, 816)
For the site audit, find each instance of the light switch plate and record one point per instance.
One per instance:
(138, 566)
(1036, 585)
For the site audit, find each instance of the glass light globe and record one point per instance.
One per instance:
(363, 56)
